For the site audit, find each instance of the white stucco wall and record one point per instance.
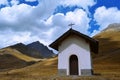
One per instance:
(74, 46)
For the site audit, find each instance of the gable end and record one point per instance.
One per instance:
(93, 43)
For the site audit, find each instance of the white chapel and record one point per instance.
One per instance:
(74, 57)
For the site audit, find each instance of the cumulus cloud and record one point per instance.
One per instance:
(80, 19)
(3, 2)
(25, 23)
(14, 2)
(105, 16)
(8, 37)
(81, 3)
(24, 15)
(13, 17)
(30, 0)
(23, 18)
(60, 22)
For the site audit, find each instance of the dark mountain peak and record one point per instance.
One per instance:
(34, 49)
(113, 27)
(41, 48)
(26, 50)
(35, 45)
(36, 42)
(18, 46)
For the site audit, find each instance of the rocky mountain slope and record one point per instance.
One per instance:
(27, 51)
(21, 55)
(43, 50)
(35, 49)
(113, 27)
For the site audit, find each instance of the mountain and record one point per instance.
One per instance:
(113, 27)
(106, 64)
(109, 45)
(45, 52)
(27, 50)
(21, 55)
(35, 49)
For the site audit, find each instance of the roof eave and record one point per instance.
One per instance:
(93, 42)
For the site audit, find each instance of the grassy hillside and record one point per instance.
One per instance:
(8, 62)
(47, 70)
(109, 47)
(13, 59)
(106, 64)
(17, 54)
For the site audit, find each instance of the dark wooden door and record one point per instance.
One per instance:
(73, 65)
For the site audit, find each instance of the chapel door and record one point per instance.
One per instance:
(73, 65)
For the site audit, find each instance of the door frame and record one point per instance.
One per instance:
(77, 64)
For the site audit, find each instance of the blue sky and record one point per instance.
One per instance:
(45, 20)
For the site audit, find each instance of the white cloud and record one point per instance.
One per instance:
(18, 37)
(24, 18)
(80, 19)
(30, 0)
(105, 16)
(3, 2)
(14, 2)
(26, 23)
(81, 3)
(94, 33)
(14, 17)
(9, 37)
(60, 22)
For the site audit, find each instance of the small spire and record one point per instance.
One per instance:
(71, 24)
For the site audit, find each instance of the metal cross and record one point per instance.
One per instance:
(71, 25)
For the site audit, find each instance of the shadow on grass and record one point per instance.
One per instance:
(96, 74)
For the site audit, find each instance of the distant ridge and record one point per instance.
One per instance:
(25, 50)
(113, 27)
(34, 49)
(45, 52)
(21, 55)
